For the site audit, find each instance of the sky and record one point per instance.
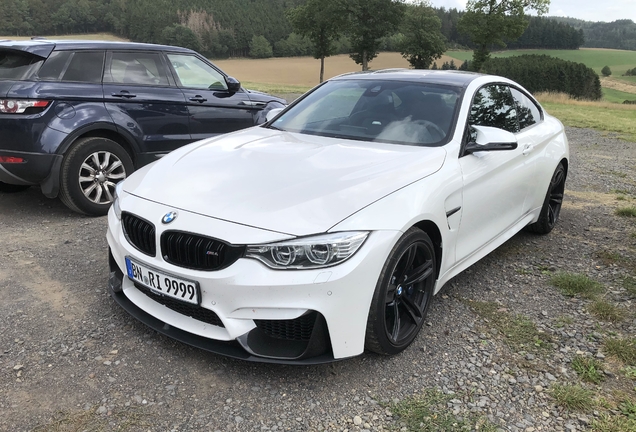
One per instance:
(589, 10)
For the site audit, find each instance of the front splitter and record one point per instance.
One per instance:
(228, 349)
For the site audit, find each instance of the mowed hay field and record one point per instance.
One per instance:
(304, 72)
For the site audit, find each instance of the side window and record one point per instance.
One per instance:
(85, 67)
(527, 111)
(53, 67)
(195, 73)
(493, 106)
(139, 68)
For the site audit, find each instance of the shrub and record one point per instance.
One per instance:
(606, 71)
(260, 47)
(542, 73)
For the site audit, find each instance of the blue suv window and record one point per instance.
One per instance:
(85, 67)
(18, 66)
(80, 66)
(137, 68)
(54, 66)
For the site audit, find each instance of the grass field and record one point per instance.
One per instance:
(617, 96)
(602, 116)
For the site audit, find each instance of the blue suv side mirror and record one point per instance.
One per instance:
(233, 85)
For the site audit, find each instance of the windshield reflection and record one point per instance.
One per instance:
(372, 110)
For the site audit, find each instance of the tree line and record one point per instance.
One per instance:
(620, 34)
(223, 28)
(542, 73)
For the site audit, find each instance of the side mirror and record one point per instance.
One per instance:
(272, 113)
(233, 85)
(491, 139)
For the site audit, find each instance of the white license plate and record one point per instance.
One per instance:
(162, 283)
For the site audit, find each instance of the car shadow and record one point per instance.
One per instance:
(32, 202)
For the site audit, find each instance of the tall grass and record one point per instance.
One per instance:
(602, 116)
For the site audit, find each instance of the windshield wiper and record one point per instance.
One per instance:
(275, 128)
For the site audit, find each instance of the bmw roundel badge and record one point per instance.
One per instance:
(169, 217)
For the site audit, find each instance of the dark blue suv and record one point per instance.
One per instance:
(77, 117)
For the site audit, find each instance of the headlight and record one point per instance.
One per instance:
(309, 252)
(116, 207)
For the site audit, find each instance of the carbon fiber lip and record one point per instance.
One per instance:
(227, 349)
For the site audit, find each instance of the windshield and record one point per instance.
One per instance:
(373, 110)
(17, 66)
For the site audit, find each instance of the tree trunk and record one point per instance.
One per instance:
(365, 63)
(322, 68)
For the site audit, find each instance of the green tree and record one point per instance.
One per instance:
(606, 71)
(14, 17)
(180, 35)
(423, 41)
(260, 47)
(369, 21)
(489, 22)
(322, 22)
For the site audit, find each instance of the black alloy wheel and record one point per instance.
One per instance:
(403, 294)
(552, 203)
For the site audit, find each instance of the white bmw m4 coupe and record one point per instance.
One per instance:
(329, 229)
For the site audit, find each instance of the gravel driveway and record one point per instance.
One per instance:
(71, 359)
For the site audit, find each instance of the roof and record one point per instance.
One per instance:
(43, 47)
(443, 77)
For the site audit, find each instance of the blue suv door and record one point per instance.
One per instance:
(213, 108)
(141, 96)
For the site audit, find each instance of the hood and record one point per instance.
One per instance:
(258, 96)
(286, 182)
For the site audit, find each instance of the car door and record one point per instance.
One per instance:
(144, 101)
(213, 109)
(495, 183)
(533, 138)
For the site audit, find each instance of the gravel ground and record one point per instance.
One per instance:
(71, 359)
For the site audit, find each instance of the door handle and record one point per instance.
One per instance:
(527, 149)
(124, 94)
(198, 98)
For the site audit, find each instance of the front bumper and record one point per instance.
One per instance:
(250, 299)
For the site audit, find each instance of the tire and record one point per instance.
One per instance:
(551, 204)
(413, 257)
(11, 188)
(90, 170)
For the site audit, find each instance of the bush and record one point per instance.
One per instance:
(606, 71)
(630, 72)
(260, 47)
(542, 73)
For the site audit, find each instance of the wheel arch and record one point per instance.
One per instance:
(431, 229)
(101, 130)
(565, 163)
